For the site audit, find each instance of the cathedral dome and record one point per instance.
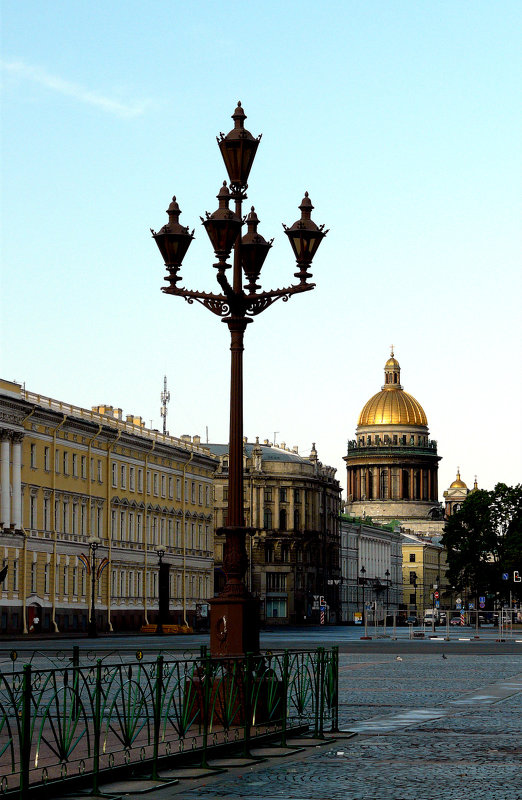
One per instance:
(458, 483)
(392, 405)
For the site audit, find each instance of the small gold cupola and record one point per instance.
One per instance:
(392, 373)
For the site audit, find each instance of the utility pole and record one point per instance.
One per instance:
(165, 398)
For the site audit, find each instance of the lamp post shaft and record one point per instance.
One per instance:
(92, 621)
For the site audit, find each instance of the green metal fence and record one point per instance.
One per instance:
(90, 723)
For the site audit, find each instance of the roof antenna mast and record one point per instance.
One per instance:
(165, 398)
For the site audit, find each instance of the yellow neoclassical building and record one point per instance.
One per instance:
(69, 476)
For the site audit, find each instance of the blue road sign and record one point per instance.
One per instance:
(458, 605)
(437, 603)
(482, 599)
(505, 576)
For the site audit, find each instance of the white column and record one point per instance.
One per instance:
(5, 499)
(17, 481)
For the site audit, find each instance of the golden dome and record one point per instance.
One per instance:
(457, 483)
(393, 406)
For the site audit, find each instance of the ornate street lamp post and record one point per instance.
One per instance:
(93, 542)
(363, 581)
(163, 587)
(234, 628)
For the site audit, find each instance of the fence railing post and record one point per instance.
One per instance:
(321, 691)
(97, 727)
(317, 678)
(335, 689)
(25, 743)
(284, 697)
(205, 707)
(247, 702)
(158, 693)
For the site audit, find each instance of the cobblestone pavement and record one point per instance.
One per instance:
(473, 750)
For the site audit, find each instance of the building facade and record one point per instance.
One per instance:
(69, 474)
(392, 464)
(424, 568)
(371, 566)
(292, 503)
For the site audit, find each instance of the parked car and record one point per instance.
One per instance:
(412, 620)
(455, 621)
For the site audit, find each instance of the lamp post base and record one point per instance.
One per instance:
(234, 625)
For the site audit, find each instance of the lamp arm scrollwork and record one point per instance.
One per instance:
(257, 303)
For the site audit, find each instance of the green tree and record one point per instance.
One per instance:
(484, 539)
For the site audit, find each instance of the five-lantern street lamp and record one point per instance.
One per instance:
(93, 542)
(234, 616)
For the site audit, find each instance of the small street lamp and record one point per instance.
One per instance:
(363, 581)
(93, 542)
(160, 551)
(387, 574)
(234, 628)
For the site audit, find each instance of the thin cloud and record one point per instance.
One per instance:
(38, 75)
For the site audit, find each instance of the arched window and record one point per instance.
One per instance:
(282, 519)
(267, 518)
(369, 484)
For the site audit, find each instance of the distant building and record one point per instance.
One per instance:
(456, 494)
(424, 568)
(68, 474)
(293, 503)
(392, 464)
(371, 566)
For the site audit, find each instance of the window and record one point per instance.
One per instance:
(413, 600)
(114, 468)
(46, 459)
(297, 496)
(178, 488)
(99, 471)
(131, 526)
(57, 461)
(275, 607)
(123, 476)
(155, 483)
(138, 528)
(83, 519)
(163, 486)
(178, 533)
(123, 532)
(75, 518)
(412, 556)
(192, 491)
(75, 465)
(282, 519)
(15, 575)
(207, 495)
(65, 462)
(148, 481)
(140, 480)
(269, 553)
(34, 568)
(285, 553)
(225, 494)
(92, 469)
(33, 456)
(47, 509)
(200, 494)
(75, 581)
(275, 581)
(131, 479)
(170, 540)
(83, 466)
(33, 522)
(296, 519)
(282, 495)
(171, 488)
(267, 518)
(268, 494)
(47, 572)
(413, 578)
(65, 526)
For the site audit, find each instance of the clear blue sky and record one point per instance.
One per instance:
(402, 120)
